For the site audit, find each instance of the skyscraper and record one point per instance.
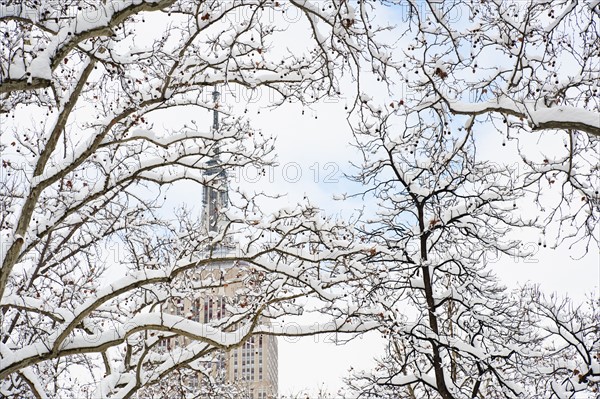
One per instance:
(253, 366)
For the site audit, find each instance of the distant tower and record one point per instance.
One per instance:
(252, 366)
(216, 196)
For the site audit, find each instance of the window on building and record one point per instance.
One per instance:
(195, 310)
(164, 344)
(194, 381)
(176, 306)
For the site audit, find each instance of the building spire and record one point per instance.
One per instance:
(216, 196)
(215, 95)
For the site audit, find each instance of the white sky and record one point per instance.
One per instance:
(306, 145)
(304, 141)
(313, 154)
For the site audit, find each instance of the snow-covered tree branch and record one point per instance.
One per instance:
(524, 70)
(104, 114)
(452, 330)
(91, 260)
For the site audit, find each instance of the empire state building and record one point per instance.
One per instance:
(253, 366)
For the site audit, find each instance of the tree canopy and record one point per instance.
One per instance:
(92, 260)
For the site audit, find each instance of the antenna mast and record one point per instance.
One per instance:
(215, 198)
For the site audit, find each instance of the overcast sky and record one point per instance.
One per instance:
(313, 151)
(313, 154)
(303, 141)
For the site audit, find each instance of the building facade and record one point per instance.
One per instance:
(253, 366)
